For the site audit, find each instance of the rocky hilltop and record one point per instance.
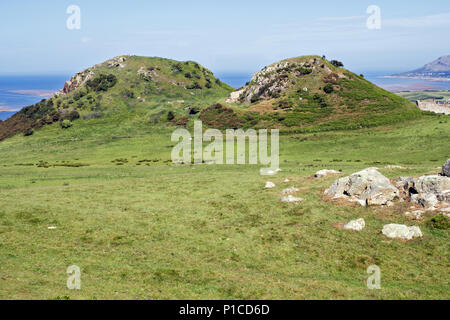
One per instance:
(311, 91)
(439, 69)
(125, 86)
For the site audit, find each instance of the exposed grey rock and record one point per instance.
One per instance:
(446, 169)
(367, 185)
(291, 198)
(400, 231)
(356, 225)
(427, 200)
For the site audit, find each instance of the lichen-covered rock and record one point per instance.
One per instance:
(446, 169)
(356, 225)
(367, 185)
(400, 231)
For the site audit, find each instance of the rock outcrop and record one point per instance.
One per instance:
(368, 187)
(429, 191)
(446, 169)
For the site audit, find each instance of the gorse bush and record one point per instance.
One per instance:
(101, 83)
(65, 124)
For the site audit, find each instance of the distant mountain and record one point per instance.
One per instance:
(439, 69)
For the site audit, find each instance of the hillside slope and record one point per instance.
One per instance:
(311, 92)
(128, 88)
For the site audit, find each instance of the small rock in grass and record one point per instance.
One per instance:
(400, 231)
(416, 215)
(291, 198)
(324, 173)
(289, 190)
(356, 225)
(269, 185)
(51, 228)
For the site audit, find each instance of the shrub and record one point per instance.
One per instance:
(439, 221)
(194, 85)
(336, 63)
(304, 71)
(28, 132)
(73, 115)
(170, 116)
(65, 124)
(188, 75)
(328, 88)
(102, 82)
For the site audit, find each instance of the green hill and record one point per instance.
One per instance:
(126, 89)
(299, 94)
(312, 92)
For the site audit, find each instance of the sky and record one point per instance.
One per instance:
(225, 36)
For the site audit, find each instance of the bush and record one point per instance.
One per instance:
(65, 124)
(336, 63)
(328, 88)
(73, 115)
(170, 116)
(194, 85)
(304, 71)
(28, 132)
(102, 82)
(439, 222)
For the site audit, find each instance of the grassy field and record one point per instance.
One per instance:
(140, 227)
(425, 95)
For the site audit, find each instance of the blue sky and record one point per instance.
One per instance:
(225, 36)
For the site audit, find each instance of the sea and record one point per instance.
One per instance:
(33, 88)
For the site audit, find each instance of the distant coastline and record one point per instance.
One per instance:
(417, 78)
(36, 93)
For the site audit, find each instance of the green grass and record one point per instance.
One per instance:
(425, 95)
(140, 227)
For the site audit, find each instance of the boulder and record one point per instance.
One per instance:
(427, 200)
(324, 173)
(446, 169)
(356, 225)
(367, 185)
(400, 231)
(432, 184)
(269, 185)
(291, 198)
